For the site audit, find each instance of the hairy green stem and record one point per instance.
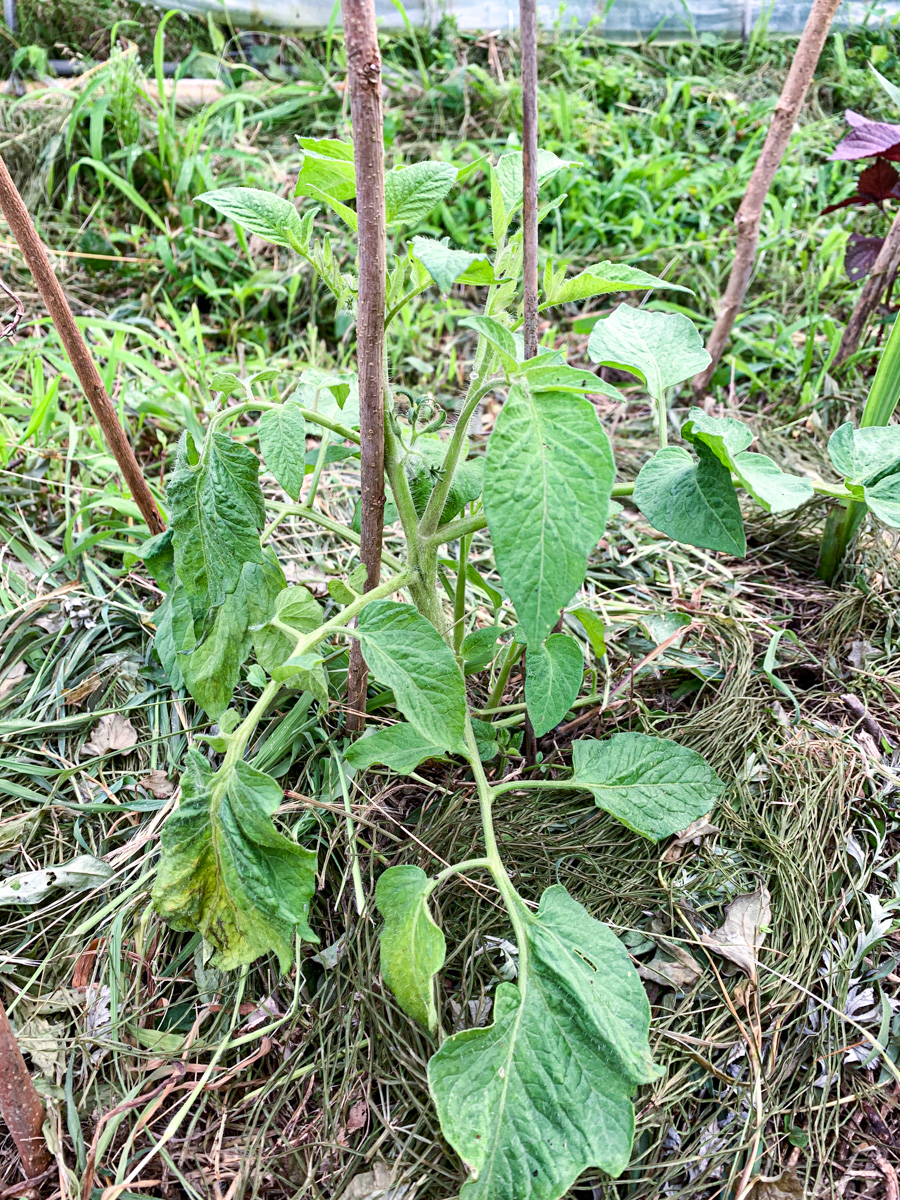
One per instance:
(236, 410)
(321, 458)
(467, 864)
(459, 600)
(344, 531)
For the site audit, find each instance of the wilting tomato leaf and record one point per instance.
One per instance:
(867, 139)
(860, 255)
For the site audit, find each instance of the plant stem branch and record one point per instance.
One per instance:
(468, 864)
(76, 348)
(749, 215)
(344, 531)
(364, 77)
(528, 38)
(236, 410)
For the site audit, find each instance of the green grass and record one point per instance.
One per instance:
(253, 1085)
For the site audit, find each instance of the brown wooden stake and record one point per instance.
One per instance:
(528, 40)
(20, 1103)
(364, 71)
(35, 256)
(885, 268)
(749, 214)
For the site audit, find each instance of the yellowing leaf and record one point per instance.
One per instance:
(412, 946)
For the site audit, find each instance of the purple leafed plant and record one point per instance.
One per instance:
(879, 181)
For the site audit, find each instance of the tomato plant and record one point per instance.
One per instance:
(544, 1091)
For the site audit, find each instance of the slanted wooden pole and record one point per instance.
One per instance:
(364, 71)
(749, 214)
(70, 335)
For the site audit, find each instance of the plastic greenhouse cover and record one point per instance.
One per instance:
(621, 20)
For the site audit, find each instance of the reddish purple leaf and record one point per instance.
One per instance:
(867, 139)
(860, 255)
(876, 183)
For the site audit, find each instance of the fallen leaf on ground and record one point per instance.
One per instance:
(741, 935)
(698, 829)
(158, 784)
(10, 678)
(376, 1185)
(677, 968)
(111, 734)
(79, 693)
(786, 1187)
(31, 887)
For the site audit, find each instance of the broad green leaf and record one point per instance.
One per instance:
(173, 621)
(210, 670)
(217, 510)
(603, 279)
(652, 785)
(444, 264)
(158, 554)
(559, 377)
(883, 498)
(328, 148)
(318, 390)
(663, 349)
(592, 624)
(410, 193)
(499, 337)
(775, 490)
(406, 653)
(509, 175)
(480, 647)
(271, 218)
(226, 871)
(412, 946)
(553, 675)
(862, 456)
(544, 1092)
(282, 439)
(327, 174)
(226, 383)
(723, 435)
(692, 501)
(423, 469)
(400, 747)
(548, 476)
(297, 608)
(772, 488)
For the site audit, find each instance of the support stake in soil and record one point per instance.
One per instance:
(35, 255)
(364, 71)
(749, 215)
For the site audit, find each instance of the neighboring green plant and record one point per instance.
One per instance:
(544, 1092)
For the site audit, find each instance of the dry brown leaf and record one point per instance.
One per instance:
(358, 1116)
(698, 829)
(742, 933)
(158, 784)
(681, 970)
(786, 1187)
(76, 695)
(10, 678)
(112, 734)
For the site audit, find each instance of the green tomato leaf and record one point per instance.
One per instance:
(444, 264)
(328, 175)
(663, 349)
(652, 785)
(400, 747)
(271, 218)
(544, 1092)
(479, 647)
(603, 279)
(593, 626)
(217, 510)
(509, 175)
(406, 653)
(299, 610)
(282, 439)
(227, 872)
(174, 624)
(158, 554)
(559, 377)
(410, 193)
(548, 476)
(423, 469)
(317, 391)
(553, 675)
(499, 337)
(412, 946)
(691, 501)
(226, 383)
(775, 490)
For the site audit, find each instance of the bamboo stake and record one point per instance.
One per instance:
(54, 297)
(364, 71)
(749, 214)
(20, 1104)
(880, 277)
